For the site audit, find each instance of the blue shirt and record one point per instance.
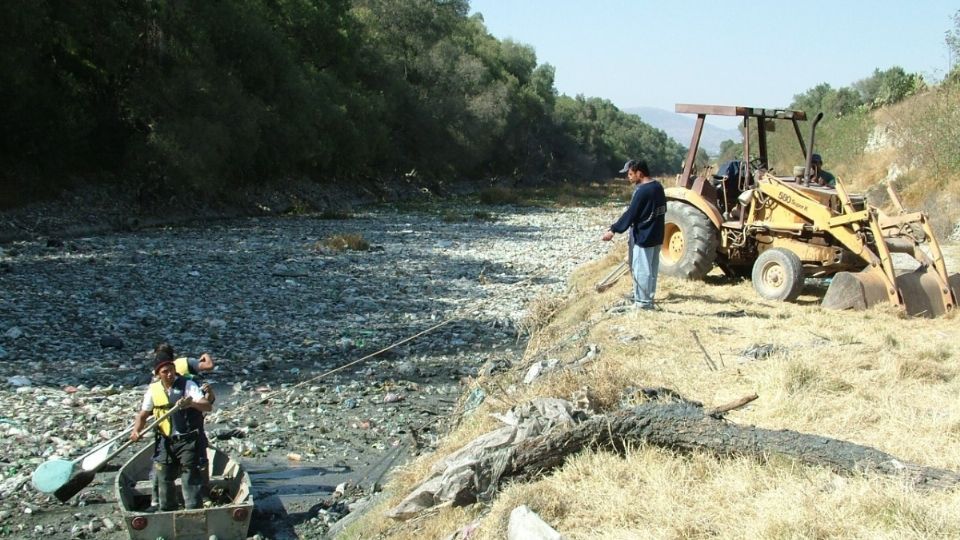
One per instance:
(645, 214)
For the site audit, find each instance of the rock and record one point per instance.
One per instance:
(476, 397)
(19, 381)
(13, 333)
(760, 351)
(498, 365)
(217, 324)
(407, 369)
(539, 368)
(527, 525)
(13, 484)
(111, 342)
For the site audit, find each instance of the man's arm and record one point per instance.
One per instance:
(195, 399)
(629, 215)
(138, 422)
(200, 404)
(205, 363)
(208, 393)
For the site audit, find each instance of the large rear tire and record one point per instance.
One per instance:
(689, 242)
(778, 275)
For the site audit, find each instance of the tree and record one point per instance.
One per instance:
(812, 100)
(888, 87)
(952, 40)
(730, 150)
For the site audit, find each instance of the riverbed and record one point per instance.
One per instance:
(282, 310)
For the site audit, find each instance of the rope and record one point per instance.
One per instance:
(269, 396)
(229, 414)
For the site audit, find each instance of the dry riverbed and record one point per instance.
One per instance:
(277, 308)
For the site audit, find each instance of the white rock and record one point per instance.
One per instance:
(14, 332)
(19, 380)
(527, 525)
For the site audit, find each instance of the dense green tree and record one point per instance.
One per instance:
(207, 96)
(888, 87)
(730, 150)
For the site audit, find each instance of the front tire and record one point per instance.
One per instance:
(778, 275)
(689, 242)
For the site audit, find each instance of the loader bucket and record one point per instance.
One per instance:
(856, 290)
(919, 292)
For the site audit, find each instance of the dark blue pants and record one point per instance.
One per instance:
(179, 457)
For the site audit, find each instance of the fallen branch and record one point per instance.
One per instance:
(717, 412)
(682, 426)
(711, 365)
(476, 471)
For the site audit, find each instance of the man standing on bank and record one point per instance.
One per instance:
(645, 218)
(179, 439)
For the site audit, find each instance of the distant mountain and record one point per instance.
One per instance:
(680, 128)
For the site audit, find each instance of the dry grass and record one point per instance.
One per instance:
(559, 195)
(343, 242)
(501, 196)
(540, 311)
(335, 213)
(875, 378)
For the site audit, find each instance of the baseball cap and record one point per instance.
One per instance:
(627, 165)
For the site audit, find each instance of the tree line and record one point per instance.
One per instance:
(208, 96)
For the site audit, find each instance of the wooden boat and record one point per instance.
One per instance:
(227, 519)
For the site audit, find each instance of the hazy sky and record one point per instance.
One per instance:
(733, 52)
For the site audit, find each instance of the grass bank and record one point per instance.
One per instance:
(874, 378)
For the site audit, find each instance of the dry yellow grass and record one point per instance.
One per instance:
(875, 378)
(347, 241)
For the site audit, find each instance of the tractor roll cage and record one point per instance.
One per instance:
(761, 114)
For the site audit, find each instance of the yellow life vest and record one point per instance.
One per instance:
(182, 366)
(160, 405)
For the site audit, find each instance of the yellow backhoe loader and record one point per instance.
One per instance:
(780, 230)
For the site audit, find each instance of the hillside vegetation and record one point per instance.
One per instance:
(891, 127)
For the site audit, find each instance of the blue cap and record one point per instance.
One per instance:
(816, 158)
(627, 165)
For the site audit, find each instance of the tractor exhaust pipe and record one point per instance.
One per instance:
(813, 133)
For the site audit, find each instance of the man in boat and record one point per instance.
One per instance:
(191, 369)
(178, 442)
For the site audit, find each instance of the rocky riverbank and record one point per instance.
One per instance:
(278, 306)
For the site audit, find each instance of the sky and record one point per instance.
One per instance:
(646, 53)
